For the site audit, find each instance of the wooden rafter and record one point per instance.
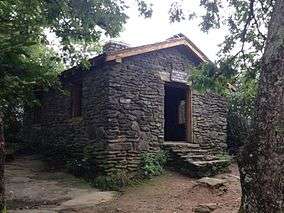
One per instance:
(157, 46)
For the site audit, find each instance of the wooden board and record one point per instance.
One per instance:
(189, 126)
(118, 55)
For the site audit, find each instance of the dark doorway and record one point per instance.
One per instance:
(175, 112)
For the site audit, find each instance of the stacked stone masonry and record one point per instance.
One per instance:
(123, 111)
(210, 120)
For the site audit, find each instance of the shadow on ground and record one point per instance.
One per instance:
(33, 188)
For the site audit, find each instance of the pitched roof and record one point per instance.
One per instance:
(172, 42)
(179, 40)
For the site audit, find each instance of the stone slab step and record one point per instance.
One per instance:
(209, 162)
(196, 157)
(193, 159)
(200, 151)
(180, 144)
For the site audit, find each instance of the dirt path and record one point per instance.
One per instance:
(176, 193)
(31, 187)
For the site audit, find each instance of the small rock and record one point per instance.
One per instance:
(211, 206)
(32, 211)
(202, 209)
(89, 200)
(205, 208)
(212, 182)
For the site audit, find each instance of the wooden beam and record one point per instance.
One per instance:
(189, 126)
(152, 47)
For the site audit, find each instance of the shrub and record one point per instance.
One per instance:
(152, 164)
(113, 182)
(237, 132)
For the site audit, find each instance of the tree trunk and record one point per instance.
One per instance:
(261, 162)
(2, 164)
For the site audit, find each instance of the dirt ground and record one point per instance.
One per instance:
(31, 186)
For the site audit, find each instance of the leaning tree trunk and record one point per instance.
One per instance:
(261, 159)
(2, 164)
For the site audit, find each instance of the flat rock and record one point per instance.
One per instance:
(32, 211)
(20, 180)
(205, 208)
(211, 182)
(89, 200)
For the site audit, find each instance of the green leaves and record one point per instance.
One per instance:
(145, 9)
(152, 164)
(27, 63)
(209, 77)
(211, 19)
(34, 67)
(245, 20)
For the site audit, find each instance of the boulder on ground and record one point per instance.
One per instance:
(211, 182)
(205, 208)
(89, 200)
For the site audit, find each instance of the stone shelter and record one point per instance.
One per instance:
(134, 100)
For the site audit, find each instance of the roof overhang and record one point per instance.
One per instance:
(173, 42)
(132, 51)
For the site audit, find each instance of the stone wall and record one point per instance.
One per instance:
(209, 120)
(136, 103)
(122, 113)
(64, 138)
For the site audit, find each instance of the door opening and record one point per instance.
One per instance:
(175, 112)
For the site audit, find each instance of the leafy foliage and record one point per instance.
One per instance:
(241, 112)
(28, 65)
(21, 75)
(242, 101)
(25, 61)
(152, 164)
(245, 20)
(209, 77)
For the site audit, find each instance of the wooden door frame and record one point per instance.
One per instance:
(188, 114)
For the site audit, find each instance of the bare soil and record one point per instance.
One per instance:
(29, 186)
(173, 192)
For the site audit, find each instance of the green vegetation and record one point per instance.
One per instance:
(211, 77)
(152, 164)
(29, 65)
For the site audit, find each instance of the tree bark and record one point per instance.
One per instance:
(2, 165)
(261, 159)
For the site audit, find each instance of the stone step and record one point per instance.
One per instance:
(199, 151)
(208, 162)
(179, 145)
(195, 157)
(192, 151)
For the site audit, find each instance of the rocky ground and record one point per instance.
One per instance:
(33, 188)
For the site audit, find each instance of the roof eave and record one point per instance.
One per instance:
(157, 46)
